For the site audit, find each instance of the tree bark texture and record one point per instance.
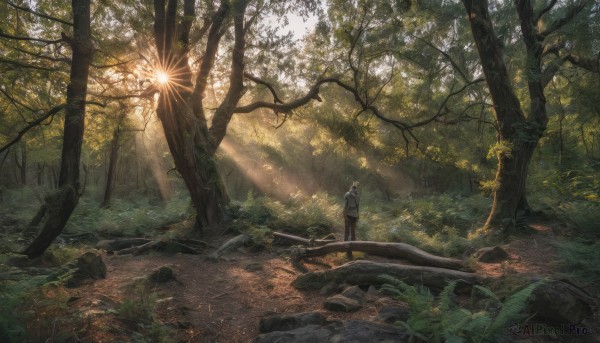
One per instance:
(518, 135)
(60, 204)
(369, 273)
(393, 250)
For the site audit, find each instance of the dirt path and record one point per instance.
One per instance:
(224, 301)
(533, 254)
(209, 302)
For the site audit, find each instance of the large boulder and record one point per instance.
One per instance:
(162, 275)
(88, 266)
(290, 321)
(557, 302)
(352, 331)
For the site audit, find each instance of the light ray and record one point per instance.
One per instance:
(261, 172)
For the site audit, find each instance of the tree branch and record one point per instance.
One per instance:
(260, 81)
(33, 124)
(546, 10)
(24, 65)
(31, 39)
(448, 57)
(212, 45)
(551, 70)
(236, 89)
(585, 63)
(39, 14)
(571, 13)
(313, 93)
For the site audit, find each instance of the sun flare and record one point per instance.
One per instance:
(162, 77)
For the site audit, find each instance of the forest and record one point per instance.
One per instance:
(191, 171)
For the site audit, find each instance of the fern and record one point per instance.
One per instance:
(446, 296)
(476, 327)
(453, 322)
(512, 308)
(449, 322)
(487, 292)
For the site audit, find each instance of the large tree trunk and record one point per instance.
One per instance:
(180, 109)
(188, 142)
(59, 206)
(509, 196)
(518, 135)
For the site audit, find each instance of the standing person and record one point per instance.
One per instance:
(351, 201)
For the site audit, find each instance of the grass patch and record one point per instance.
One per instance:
(128, 218)
(138, 311)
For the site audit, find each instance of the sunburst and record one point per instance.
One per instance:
(162, 77)
(172, 78)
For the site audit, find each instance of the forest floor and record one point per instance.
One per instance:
(224, 301)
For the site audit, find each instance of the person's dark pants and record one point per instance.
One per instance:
(350, 231)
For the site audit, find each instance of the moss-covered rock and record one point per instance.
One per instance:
(162, 275)
(87, 266)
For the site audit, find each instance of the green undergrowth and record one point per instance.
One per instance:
(313, 216)
(32, 291)
(578, 251)
(483, 317)
(138, 312)
(581, 260)
(439, 224)
(128, 218)
(131, 217)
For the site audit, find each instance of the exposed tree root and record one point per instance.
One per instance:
(368, 273)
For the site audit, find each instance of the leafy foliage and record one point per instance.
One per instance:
(24, 288)
(444, 319)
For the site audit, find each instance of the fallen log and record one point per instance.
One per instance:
(368, 273)
(303, 240)
(393, 250)
(137, 246)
